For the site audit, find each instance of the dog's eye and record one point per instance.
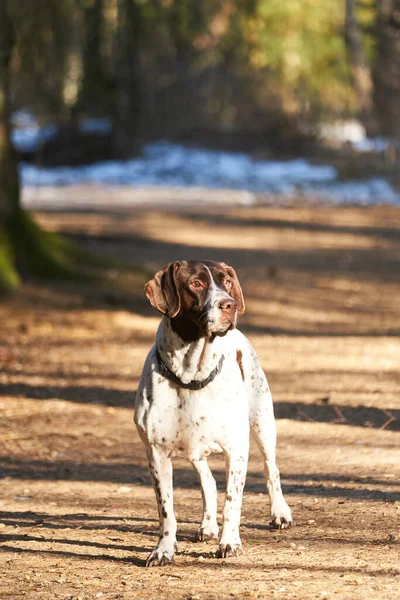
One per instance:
(196, 283)
(228, 283)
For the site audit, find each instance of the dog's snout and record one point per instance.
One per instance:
(228, 304)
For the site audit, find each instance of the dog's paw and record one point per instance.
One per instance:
(159, 558)
(226, 550)
(281, 517)
(206, 532)
(281, 523)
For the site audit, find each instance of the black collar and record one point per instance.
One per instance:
(192, 385)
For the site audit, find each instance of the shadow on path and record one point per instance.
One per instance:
(185, 478)
(360, 416)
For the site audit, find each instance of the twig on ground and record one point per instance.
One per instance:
(301, 413)
(389, 420)
(340, 416)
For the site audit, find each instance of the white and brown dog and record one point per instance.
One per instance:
(202, 390)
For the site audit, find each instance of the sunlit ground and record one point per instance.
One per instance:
(321, 287)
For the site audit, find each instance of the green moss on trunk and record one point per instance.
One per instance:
(26, 249)
(9, 278)
(43, 253)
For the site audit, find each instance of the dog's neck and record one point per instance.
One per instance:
(187, 360)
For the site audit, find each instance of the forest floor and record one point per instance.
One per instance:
(77, 511)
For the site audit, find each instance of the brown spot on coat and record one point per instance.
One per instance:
(239, 357)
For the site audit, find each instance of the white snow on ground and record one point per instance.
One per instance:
(342, 132)
(164, 163)
(351, 132)
(375, 144)
(27, 134)
(175, 166)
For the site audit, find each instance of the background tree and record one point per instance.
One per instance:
(167, 67)
(127, 99)
(180, 69)
(93, 97)
(387, 70)
(9, 180)
(24, 247)
(360, 70)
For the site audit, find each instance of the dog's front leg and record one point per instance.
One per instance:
(208, 529)
(161, 473)
(230, 543)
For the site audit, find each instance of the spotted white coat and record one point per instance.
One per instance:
(173, 421)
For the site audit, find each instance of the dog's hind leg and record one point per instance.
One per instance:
(160, 466)
(264, 431)
(263, 428)
(208, 529)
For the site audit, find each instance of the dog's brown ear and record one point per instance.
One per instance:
(236, 291)
(162, 291)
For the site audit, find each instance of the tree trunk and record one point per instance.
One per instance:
(23, 245)
(387, 74)
(127, 93)
(94, 92)
(9, 179)
(360, 70)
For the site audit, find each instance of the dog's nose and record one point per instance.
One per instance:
(227, 305)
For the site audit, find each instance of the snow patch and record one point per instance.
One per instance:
(164, 163)
(342, 132)
(352, 132)
(173, 165)
(27, 134)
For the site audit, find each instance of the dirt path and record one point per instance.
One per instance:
(77, 513)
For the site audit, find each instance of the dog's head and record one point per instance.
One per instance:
(202, 298)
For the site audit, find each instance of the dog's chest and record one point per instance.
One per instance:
(195, 424)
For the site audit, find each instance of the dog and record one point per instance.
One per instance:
(202, 390)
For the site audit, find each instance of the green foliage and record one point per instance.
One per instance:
(300, 46)
(366, 12)
(196, 63)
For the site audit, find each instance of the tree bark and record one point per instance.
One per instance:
(387, 73)
(360, 70)
(9, 179)
(23, 245)
(127, 93)
(94, 92)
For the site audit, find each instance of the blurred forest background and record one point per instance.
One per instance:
(165, 68)
(208, 71)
